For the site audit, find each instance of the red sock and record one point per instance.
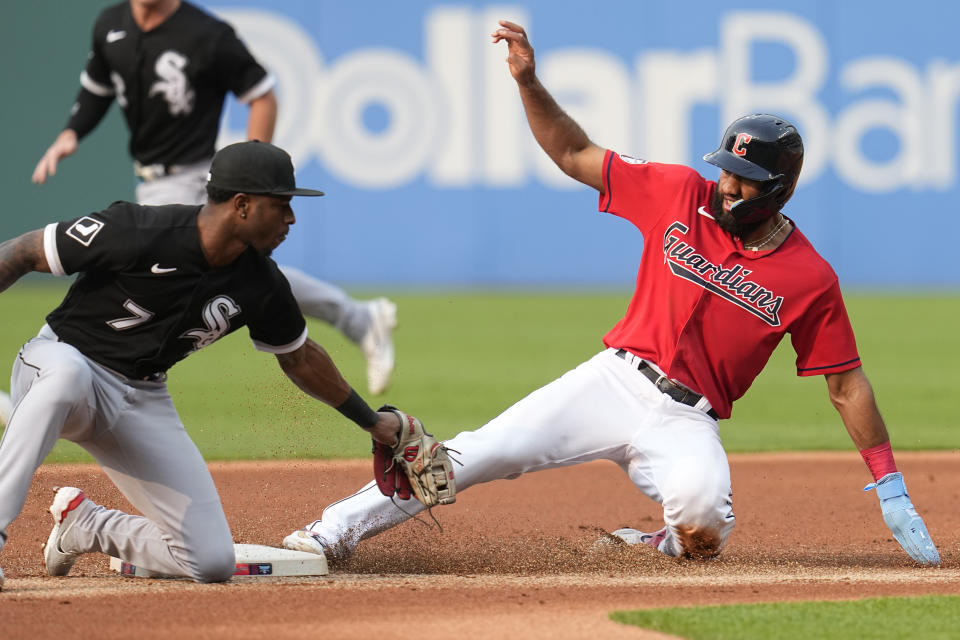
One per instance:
(879, 460)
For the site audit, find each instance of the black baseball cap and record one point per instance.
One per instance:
(255, 167)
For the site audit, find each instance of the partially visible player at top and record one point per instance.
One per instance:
(154, 285)
(169, 65)
(723, 277)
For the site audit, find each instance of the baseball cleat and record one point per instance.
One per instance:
(64, 512)
(377, 344)
(632, 536)
(304, 540)
(1, 579)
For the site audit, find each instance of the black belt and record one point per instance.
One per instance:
(150, 172)
(673, 389)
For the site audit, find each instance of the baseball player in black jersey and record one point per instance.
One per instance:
(155, 284)
(169, 65)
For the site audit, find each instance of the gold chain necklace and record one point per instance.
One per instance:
(770, 236)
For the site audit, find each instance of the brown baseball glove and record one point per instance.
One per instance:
(417, 464)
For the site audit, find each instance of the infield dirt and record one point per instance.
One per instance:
(515, 559)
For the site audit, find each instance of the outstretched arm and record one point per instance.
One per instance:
(65, 145)
(20, 256)
(311, 368)
(559, 135)
(852, 395)
(88, 111)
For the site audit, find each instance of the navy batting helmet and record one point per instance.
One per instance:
(765, 148)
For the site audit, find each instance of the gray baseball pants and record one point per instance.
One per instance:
(133, 431)
(317, 298)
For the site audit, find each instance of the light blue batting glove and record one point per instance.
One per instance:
(904, 522)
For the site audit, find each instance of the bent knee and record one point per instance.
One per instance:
(701, 524)
(699, 542)
(68, 382)
(215, 564)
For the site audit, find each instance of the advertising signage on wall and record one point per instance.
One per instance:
(406, 113)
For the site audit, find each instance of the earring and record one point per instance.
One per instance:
(243, 214)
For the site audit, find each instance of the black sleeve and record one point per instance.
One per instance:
(96, 88)
(87, 112)
(96, 74)
(104, 241)
(234, 63)
(277, 325)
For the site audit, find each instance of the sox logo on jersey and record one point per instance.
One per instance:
(173, 83)
(730, 283)
(216, 315)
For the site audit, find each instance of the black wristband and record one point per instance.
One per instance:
(357, 409)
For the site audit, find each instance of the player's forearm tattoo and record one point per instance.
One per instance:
(19, 256)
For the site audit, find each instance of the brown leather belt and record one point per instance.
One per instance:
(667, 386)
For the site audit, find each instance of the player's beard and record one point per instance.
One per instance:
(726, 220)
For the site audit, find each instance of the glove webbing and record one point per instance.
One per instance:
(413, 516)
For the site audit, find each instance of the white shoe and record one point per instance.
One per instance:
(6, 408)
(377, 344)
(1, 579)
(306, 540)
(64, 511)
(632, 536)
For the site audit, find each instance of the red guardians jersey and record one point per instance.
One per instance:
(706, 310)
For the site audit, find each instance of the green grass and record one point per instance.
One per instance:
(907, 344)
(927, 617)
(465, 357)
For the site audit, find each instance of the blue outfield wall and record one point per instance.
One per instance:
(405, 114)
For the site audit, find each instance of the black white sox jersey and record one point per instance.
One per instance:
(171, 81)
(146, 296)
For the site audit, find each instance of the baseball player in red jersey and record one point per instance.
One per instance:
(723, 277)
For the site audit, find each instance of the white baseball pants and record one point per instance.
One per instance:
(603, 409)
(132, 429)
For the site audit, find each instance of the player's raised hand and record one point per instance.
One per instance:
(519, 51)
(63, 146)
